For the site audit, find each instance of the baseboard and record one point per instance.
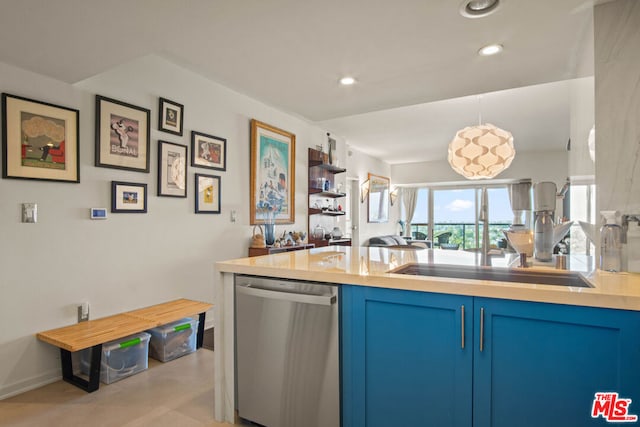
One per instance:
(22, 386)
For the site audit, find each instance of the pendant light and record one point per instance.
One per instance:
(482, 151)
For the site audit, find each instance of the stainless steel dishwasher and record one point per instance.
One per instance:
(287, 351)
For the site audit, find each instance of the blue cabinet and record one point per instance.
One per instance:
(541, 364)
(407, 360)
(413, 359)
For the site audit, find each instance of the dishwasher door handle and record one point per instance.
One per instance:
(286, 296)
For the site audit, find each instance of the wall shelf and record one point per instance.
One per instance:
(326, 166)
(321, 171)
(322, 193)
(316, 211)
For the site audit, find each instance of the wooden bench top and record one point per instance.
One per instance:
(87, 334)
(171, 311)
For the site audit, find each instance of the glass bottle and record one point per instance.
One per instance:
(543, 239)
(610, 243)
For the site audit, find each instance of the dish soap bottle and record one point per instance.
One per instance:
(610, 242)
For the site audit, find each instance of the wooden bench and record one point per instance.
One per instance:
(93, 333)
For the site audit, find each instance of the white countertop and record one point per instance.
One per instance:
(370, 266)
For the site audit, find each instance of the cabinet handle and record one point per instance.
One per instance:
(462, 327)
(481, 328)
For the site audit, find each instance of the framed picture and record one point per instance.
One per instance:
(172, 169)
(170, 117)
(272, 185)
(378, 207)
(128, 197)
(122, 135)
(208, 151)
(207, 193)
(39, 140)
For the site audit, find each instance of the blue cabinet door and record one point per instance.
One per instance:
(541, 364)
(404, 358)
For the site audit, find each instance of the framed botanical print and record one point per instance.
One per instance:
(39, 140)
(122, 135)
(207, 193)
(171, 116)
(272, 181)
(128, 197)
(172, 169)
(208, 151)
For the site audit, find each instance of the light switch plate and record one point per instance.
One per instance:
(30, 212)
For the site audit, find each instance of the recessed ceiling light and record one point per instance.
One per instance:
(347, 81)
(479, 8)
(491, 49)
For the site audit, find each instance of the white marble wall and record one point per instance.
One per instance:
(581, 167)
(617, 105)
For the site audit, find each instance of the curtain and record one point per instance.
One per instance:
(409, 199)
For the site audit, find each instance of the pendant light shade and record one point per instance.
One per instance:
(481, 152)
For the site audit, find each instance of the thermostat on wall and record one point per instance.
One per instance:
(98, 213)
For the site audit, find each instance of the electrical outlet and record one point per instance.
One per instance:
(83, 312)
(234, 215)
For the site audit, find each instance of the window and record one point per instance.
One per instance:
(455, 211)
(420, 220)
(454, 219)
(582, 208)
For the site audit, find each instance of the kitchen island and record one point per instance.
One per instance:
(589, 325)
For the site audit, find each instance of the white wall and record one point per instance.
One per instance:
(130, 260)
(359, 165)
(582, 120)
(617, 106)
(582, 108)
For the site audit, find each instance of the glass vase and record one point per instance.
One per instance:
(269, 233)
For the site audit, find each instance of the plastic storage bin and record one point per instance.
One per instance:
(173, 340)
(121, 358)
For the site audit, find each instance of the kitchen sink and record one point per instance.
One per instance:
(560, 278)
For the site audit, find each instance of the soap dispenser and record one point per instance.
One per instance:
(610, 242)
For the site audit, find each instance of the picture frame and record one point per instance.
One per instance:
(378, 205)
(172, 169)
(272, 174)
(122, 135)
(40, 141)
(128, 197)
(208, 151)
(208, 197)
(170, 116)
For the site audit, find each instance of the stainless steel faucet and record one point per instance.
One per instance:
(484, 218)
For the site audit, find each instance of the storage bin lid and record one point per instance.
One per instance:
(179, 325)
(125, 342)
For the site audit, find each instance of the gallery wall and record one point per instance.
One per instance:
(129, 260)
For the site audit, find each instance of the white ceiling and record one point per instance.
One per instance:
(290, 54)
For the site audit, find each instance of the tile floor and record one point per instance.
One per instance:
(177, 393)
